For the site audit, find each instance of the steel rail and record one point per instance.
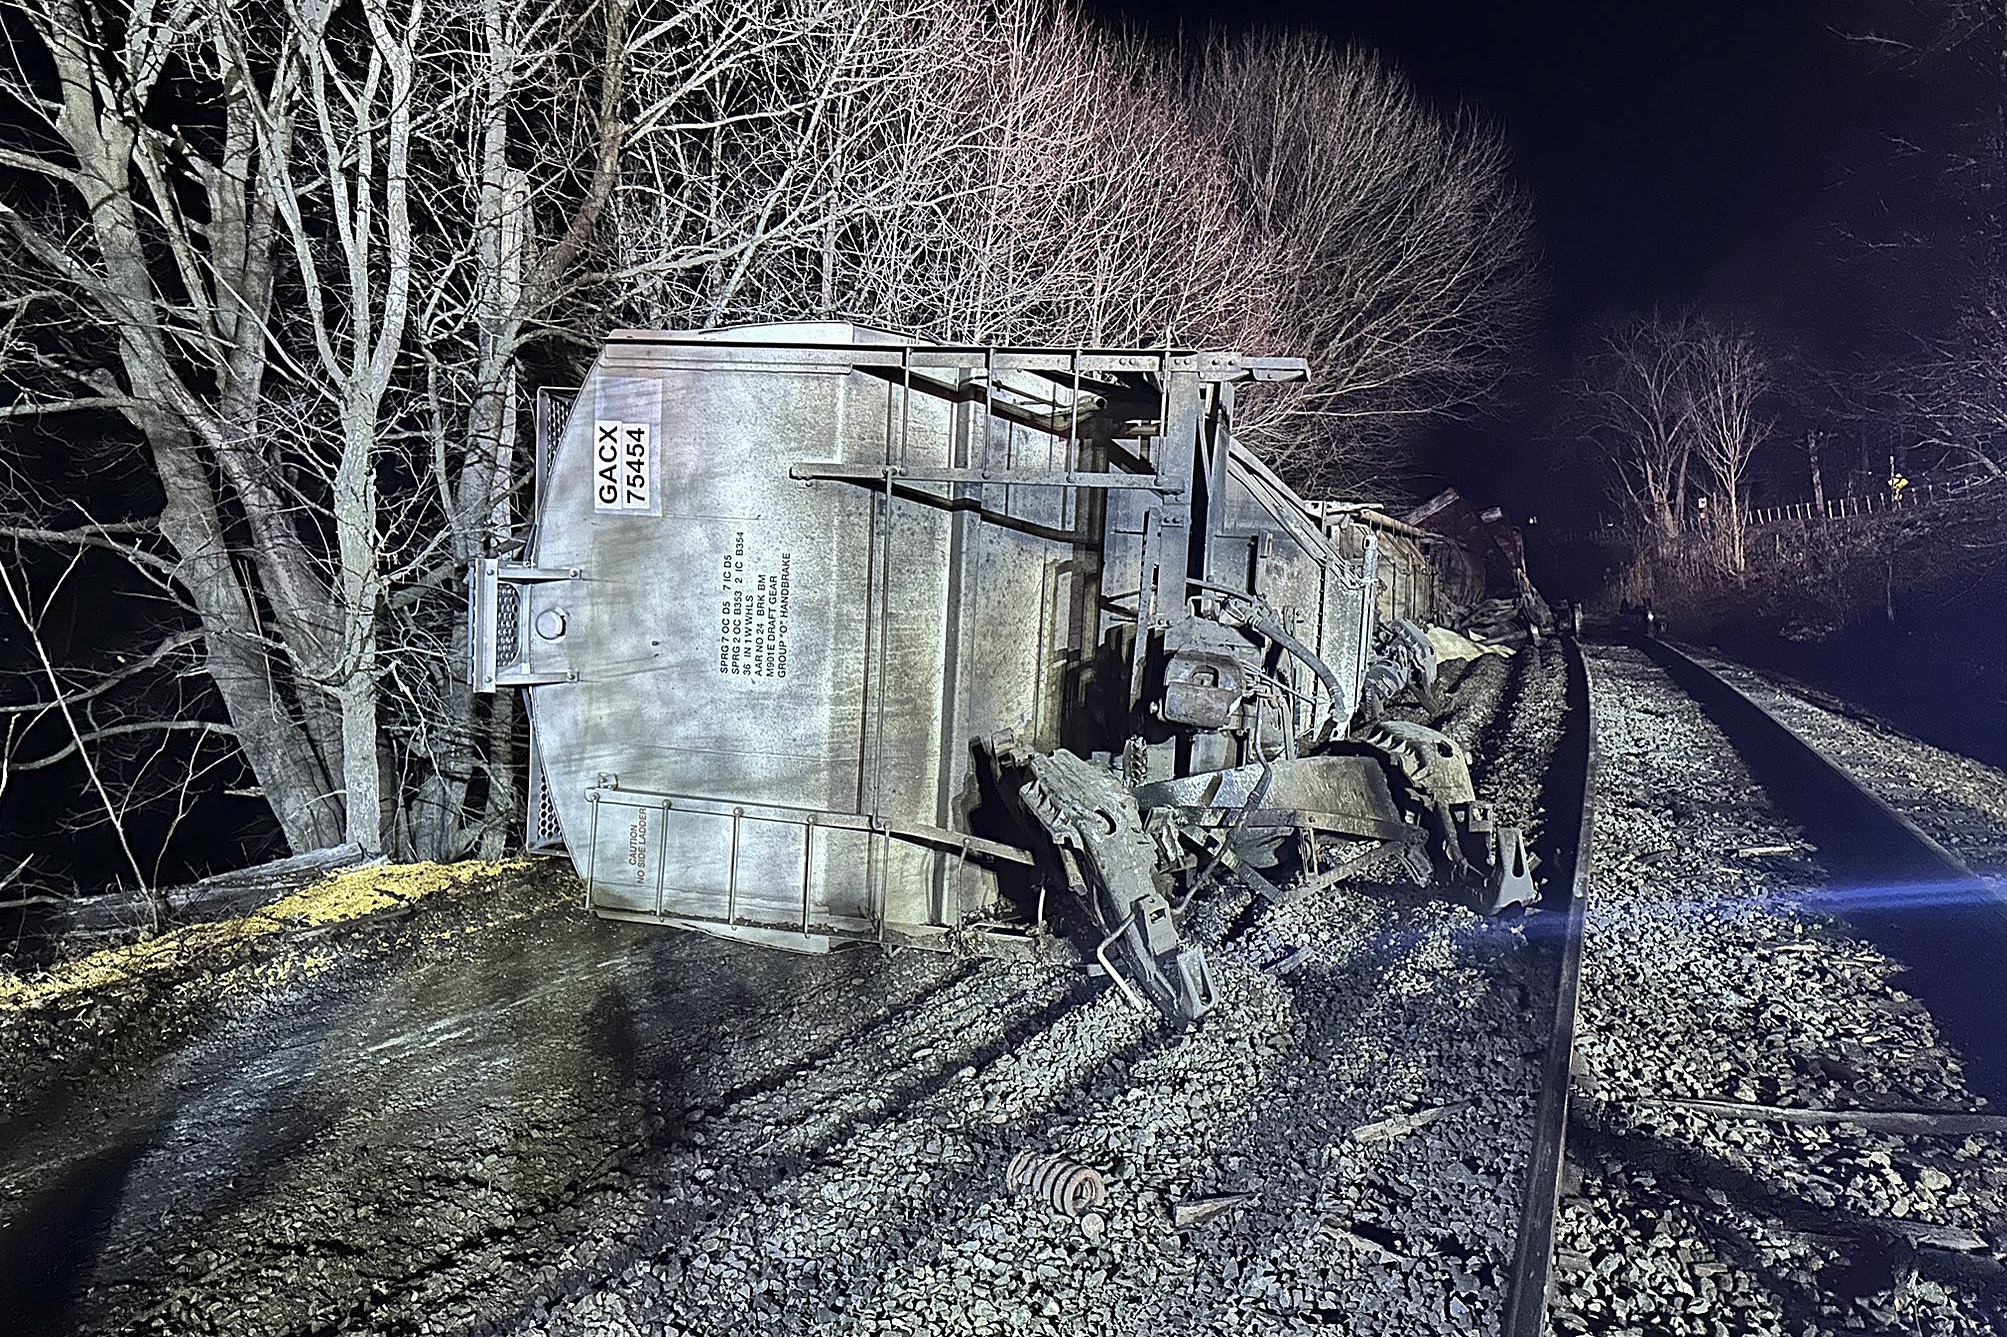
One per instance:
(1533, 1249)
(1532, 1269)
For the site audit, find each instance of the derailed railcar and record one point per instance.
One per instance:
(1480, 555)
(833, 636)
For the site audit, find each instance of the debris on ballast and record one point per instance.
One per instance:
(1400, 1125)
(1192, 1211)
(1067, 1184)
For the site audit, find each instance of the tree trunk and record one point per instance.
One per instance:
(361, 596)
(279, 753)
(504, 806)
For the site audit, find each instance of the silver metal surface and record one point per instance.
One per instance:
(822, 627)
(833, 643)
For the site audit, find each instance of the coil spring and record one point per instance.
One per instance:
(1067, 1184)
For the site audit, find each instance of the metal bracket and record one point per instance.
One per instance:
(490, 664)
(1112, 864)
(837, 470)
(1232, 367)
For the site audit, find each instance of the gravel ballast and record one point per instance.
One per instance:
(1959, 802)
(1711, 974)
(495, 1115)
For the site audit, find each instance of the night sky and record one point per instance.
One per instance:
(1750, 157)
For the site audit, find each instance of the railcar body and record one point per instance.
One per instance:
(833, 636)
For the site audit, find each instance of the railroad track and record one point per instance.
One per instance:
(1959, 802)
(1770, 948)
(1572, 785)
(1432, 1122)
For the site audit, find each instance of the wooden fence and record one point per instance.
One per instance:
(1840, 508)
(1874, 503)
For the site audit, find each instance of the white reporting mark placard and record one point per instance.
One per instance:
(623, 466)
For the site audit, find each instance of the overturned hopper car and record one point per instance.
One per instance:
(833, 636)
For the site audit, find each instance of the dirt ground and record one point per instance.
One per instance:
(429, 1100)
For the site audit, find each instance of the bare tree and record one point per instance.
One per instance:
(1956, 396)
(1401, 243)
(547, 113)
(244, 230)
(1662, 394)
(1726, 377)
(1636, 406)
(301, 191)
(1815, 440)
(119, 305)
(997, 172)
(961, 170)
(1951, 396)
